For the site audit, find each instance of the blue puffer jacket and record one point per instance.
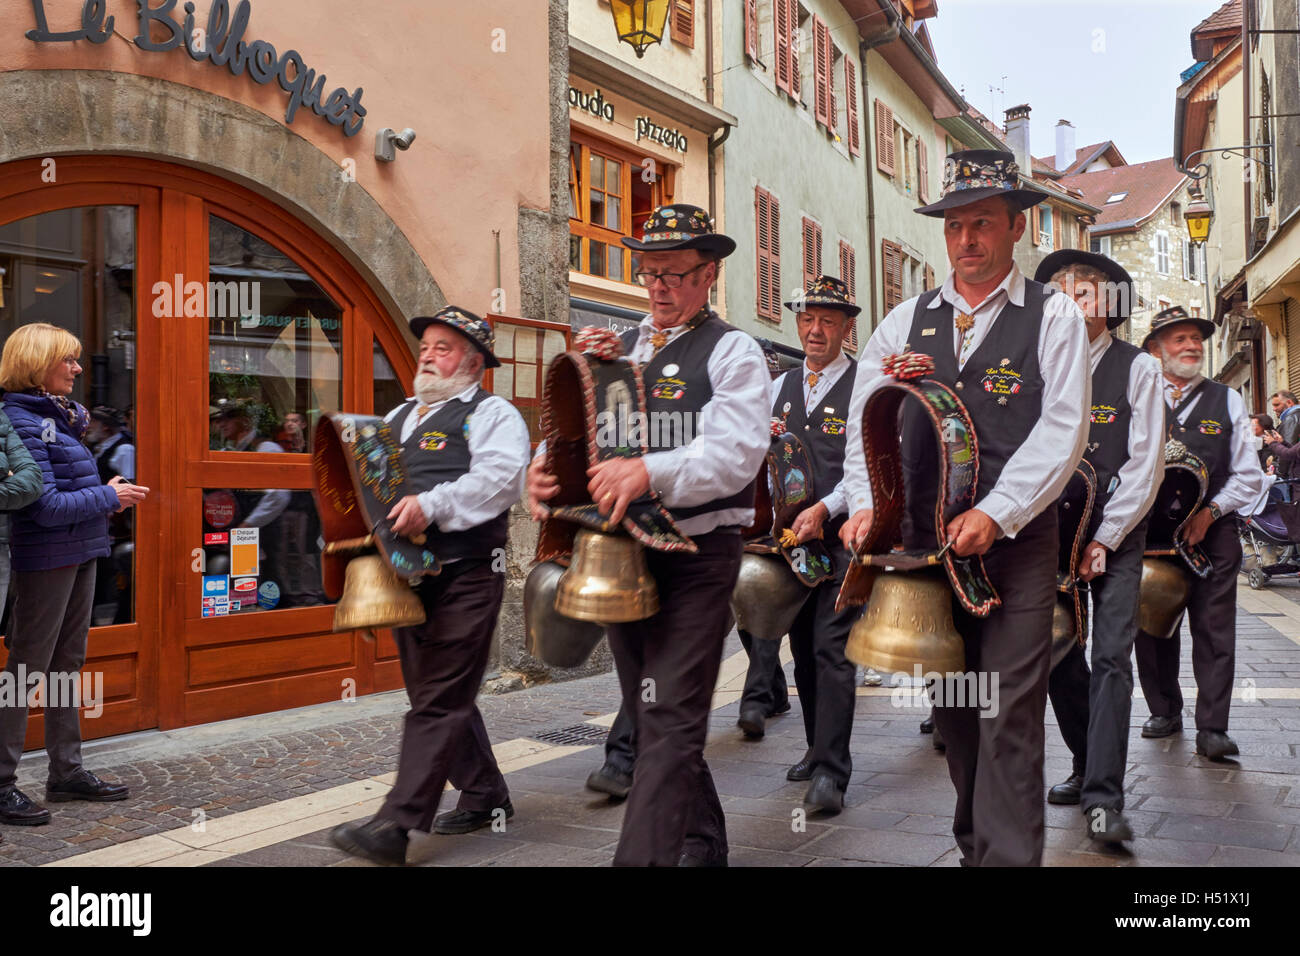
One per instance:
(68, 523)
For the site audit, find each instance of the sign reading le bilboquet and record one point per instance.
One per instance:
(220, 43)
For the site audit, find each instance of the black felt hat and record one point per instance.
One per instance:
(1122, 302)
(1176, 315)
(828, 292)
(478, 331)
(681, 227)
(970, 175)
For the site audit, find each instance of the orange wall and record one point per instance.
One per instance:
(481, 117)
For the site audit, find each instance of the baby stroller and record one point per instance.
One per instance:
(1270, 536)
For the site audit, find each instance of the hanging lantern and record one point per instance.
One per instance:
(640, 22)
(1198, 216)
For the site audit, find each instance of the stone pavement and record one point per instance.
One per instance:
(264, 791)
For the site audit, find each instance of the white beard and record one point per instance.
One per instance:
(1182, 368)
(433, 387)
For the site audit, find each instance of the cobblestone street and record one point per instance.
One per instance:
(265, 790)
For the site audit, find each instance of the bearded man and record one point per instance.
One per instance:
(1210, 419)
(465, 450)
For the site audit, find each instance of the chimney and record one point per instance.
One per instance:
(1064, 145)
(1018, 137)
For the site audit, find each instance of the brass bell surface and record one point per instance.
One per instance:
(608, 581)
(550, 636)
(767, 597)
(1163, 595)
(908, 624)
(373, 597)
(1063, 628)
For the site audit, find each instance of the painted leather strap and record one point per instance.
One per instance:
(1075, 509)
(789, 468)
(1180, 496)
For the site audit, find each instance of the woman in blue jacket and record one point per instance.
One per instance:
(54, 543)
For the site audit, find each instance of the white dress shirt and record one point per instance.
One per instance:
(121, 456)
(835, 502)
(274, 500)
(1246, 480)
(1140, 476)
(498, 458)
(1036, 474)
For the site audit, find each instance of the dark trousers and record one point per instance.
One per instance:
(1094, 709)
(765, 685)
(825, 678)
(995, 757)
(1212, 619)
(620, 745)
(443, 660)
(667, 669)
(48, 624)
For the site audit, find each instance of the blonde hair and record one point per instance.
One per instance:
(31, 352)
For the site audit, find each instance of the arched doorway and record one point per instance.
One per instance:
(219, 317)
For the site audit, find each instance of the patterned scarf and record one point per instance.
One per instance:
(77, 417)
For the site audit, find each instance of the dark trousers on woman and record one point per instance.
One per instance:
(443, 660)
(1212, 619)
(667, 668)
(48, 624)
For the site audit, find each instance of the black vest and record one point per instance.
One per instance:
(438, 452)
(1000, 385)
(824, 430)
(1109, 422)
(674, 399)
(1207, 432)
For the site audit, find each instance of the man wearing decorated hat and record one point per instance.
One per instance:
(1125, 448)
(1015, 352)
(712, 379)
(1210, 419)
(464, 451)
(813, 403)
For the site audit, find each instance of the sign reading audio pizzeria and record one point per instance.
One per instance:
(220, 42)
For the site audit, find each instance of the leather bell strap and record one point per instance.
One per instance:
(593, 410)
(358, 471)
(789, 468)
(1075, 507)
(958, 480)
(1185, 475)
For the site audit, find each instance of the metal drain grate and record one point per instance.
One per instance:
(577, 734)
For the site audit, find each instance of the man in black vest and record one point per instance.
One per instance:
(813, 401)
(464, 451)
(1210, 419)
(706, 389)
(1016, 354)
(1125, 448)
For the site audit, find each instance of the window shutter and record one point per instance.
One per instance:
(851, 91)
(1058, 228)
(751, 29)
(683, 22)
(849, 273)
(884, 138)
(821, 73)
(774, 244)
(893, 271)
(1037, 225)
(929, 278)
(782, 70)
(812, 251)
(796, 81)
(1187, 273)
(923, 170)
(764, 250)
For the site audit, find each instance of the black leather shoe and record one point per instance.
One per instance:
(690, 859)
(1107, 826)
(927, 725)
(1067, 792)
(380, 840)
(825, 794)
(84, 785)
(751, 721)
(802, 770)
(467, 821)
(1162, 726)
(779, 709)
(937, 740)
(609, 779)
(1215, 744)
(17, 809)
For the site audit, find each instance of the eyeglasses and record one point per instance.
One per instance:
(671, 280)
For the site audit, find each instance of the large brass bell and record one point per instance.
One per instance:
(608, 581)
(1163, 595)
(1064, 628)
(374, 596)
(550, 636)
(767, 596)
(908, 624)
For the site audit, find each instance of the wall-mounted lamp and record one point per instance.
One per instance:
(386, 140)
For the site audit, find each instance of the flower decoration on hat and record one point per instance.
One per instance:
(602, 344)
(906, 366)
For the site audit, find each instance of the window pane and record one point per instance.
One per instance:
(597, 170)
(575, 181)
(613, 177)
(597, 207)
(279, 569)
(614, 213)
(275, 344)
(596, 250)
(616, 263)
(575, 253)
(388, 391)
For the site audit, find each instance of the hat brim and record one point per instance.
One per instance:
(715, 244)
(1023, 197)
(1107, 266)
(848, 308)
(422, 322)
(1205, 325)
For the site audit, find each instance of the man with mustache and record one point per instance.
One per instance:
(464, 451)
(1210, 419)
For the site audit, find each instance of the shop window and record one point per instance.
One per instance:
(275, 345)
(75, 268)
(261, 550)
(613, 193)
(388, 391)
(525, 352)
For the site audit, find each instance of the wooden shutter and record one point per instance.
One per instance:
(683, 22)
(923, 170)
(849, 268)
(851, 91)
(781, 16)
(812, 251)
(768, 220)
(796, 81)
(751, 29)
(822, 73)
(884, 139)
(929, 278)
(1036, 225)
(893, 273)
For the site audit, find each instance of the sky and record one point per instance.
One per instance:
(1110, 67)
